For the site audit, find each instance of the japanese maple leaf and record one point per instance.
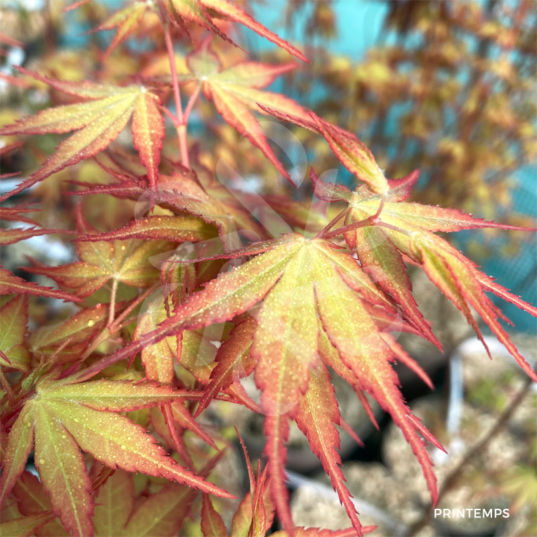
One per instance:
(205, 12)
(13, 326)
(126, 21)
(255, 513)
(63, 419)
(32, 500)
(351, 152)
(201, 12)
(237, 90)
(386, 230)
(25, 526)
(127, 262)
(120, 512)
(159, 514)
(77, 330)
(307, 287)
(159, 359)
(101, 115)
(185, 195)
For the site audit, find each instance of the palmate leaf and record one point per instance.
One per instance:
(77, 329)
(126, 21)
(33, 500)
(233, 362)
(204, 13)
(317, 417)
(119, 514)
(103, 113)
(160, 514)
(255, 513)
(113, 505)
(351, 152)
(400, 228)
(166, 228)
(24, 526)
(183, 194)
(201, 12)
(68, 418)
(13, 327)
(236, 91)
(212, 524)
(298, 280)
(128, 262)
(159, 364)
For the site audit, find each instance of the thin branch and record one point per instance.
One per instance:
(332, 223)
(113, 295)
(191, 103)
(116, 325)
(181, 128)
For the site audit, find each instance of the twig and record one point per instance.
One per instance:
(116, 325)
(181, 128)
(369, 221)
(112, 309)
(190, 104)
(332, 223)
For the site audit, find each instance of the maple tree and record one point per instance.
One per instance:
(107, 401)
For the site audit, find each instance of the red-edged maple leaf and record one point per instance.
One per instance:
(113, 505)
(101, 115)
(166, 228)
(32, 500)
(66, 340)
(206, 12)
(67, 418)
(317, 417)
(159, 360)
(233, 362)
(13, 320)
(183, 194)
(16, 214)
(11, 284)
(162, 513)
(24, 526)
(118, 514)
(125, 21)
(212, 524)
(4, 151)
(127, 262)
(384, 232)
(255, 512)
(305, 286)
(351, 152)
(237, 90)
